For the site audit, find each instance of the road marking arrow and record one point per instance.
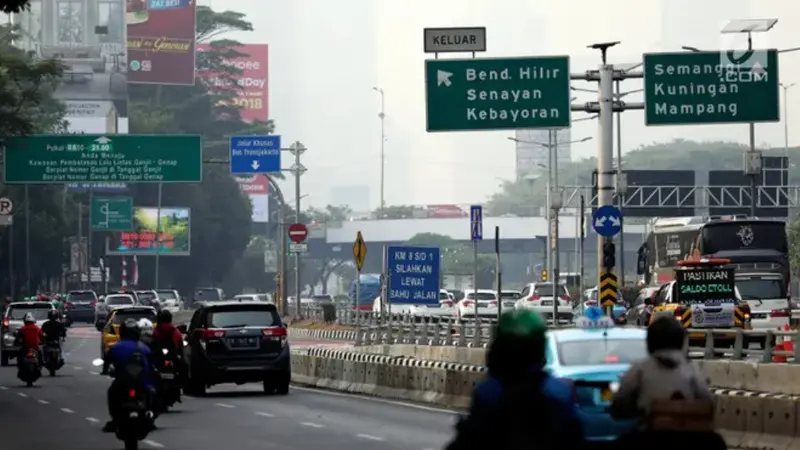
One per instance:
(255, 165)
(443, 78)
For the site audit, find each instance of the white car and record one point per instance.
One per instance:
(766, 295)
(265, 298)
(170, 299)
(543, 298)
(486, 300)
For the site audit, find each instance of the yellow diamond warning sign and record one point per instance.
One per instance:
(359, 251)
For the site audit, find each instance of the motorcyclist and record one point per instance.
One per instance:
(166, 336)
(54, 330)
(518, 403)
(128, 352)
(29, 337)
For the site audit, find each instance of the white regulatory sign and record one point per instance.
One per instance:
(298, 248)
(6, 206)
(453, 40)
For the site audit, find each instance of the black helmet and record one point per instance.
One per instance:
(665, 333)
(164, 316)
(129, 330)
(52, 314)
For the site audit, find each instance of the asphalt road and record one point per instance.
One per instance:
(68, 411)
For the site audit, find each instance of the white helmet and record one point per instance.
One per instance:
(145, 327)
(29, 318)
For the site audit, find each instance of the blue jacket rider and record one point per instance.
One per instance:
(120, 355)
(518, 405)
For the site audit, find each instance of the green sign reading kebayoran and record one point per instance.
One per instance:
(705, 88)
(111, 213)
(497, 93)
(84, 158)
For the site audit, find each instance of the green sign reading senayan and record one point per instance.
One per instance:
(85, 158)
(111, 213)
(694, 88)
(497, 93)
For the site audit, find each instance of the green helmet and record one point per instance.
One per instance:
(522, 323)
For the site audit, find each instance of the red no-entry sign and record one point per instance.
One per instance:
(298, 232)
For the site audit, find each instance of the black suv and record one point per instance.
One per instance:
(233, 342)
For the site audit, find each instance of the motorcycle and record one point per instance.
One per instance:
(29, 370)
(52, 358)
(169, 386)
(135, 420)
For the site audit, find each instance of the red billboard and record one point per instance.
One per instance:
(161, 39)
(252, 83)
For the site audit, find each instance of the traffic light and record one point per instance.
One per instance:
(544, 275)
(609, 255)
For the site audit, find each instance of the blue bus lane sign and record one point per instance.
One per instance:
(413, 275)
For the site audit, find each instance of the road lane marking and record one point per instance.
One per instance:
(67, 410)
(93, 420)
(22, 394)
(224, 405)
(77, 368)
(264, 414)
(95, 373)
(376, 400)
(370, 437)
(43, 402)
(3, 388)
(153, 443)
(312, 425)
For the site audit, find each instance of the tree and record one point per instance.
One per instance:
(27, 106)
(794, 245)
(526, 197)
(220, 213)
(14, 6)
(456, 257)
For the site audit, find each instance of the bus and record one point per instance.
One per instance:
(751, 244)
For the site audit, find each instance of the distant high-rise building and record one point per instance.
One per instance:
(531, 155)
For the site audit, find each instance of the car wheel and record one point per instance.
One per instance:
(279, 385)
(4, 360)
(195, 387)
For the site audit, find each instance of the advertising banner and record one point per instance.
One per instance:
(161, 41)
(141, 240)
(253, 81)
(257, 189)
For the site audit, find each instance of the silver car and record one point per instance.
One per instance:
(13, 320)
(110, 303)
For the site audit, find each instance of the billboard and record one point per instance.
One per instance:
(141, 240)
(774, 173)
(642, 201)
(253, 81)
(256, 187)
(161, 39)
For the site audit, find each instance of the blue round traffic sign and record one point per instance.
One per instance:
(607, 220)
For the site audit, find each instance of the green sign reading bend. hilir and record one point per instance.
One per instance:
(702, 88)
(111, 213)
(497, 93)
(123, 158)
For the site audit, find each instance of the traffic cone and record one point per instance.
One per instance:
(779, 347)
(788, 344)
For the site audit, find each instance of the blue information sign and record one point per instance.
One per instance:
(255, 154)
(607, 220)
(476, 222)
(413, 275)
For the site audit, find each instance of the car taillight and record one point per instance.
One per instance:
(564, 298)
(447, 303)
(534, 298)
(94, 303)
(211, 333)
(5, 323)
(466, 302)
(132, 393)
(279, 331)
(68, 305)
(493, 304)
(778, 313)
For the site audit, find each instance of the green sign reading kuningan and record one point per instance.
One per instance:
(706, 87)
(84, 158)
(111, 213)
(497, 93)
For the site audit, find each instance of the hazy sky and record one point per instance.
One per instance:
(326, 56)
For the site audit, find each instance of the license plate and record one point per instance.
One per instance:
(243, 342)
(167, 376)
(606, 395)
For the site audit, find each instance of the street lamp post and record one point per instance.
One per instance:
(382, 116)
(553, 207)
(786, 88)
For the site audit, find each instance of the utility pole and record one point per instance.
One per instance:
(28, 240)
(382, 116)
(786, 88)
(297, 170)
(158, 232)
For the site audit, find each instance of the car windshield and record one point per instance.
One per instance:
(322, 298)
(761, 288)
(167, 295)
(546, 290)
(601, 351)
(81, 297)
(443, 296)
(208, 295)
(121, 316)
(146, 295)
(39, 311)
(482, 296)
(119, 300)
(236, 318)
(506, 295)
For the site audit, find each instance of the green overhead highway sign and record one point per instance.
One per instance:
(111, 213)
(694, 88)
(497, 93)
(85, 158)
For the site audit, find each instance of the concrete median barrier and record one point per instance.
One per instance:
(746, 419)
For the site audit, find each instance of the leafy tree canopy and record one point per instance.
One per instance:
(525, 197)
